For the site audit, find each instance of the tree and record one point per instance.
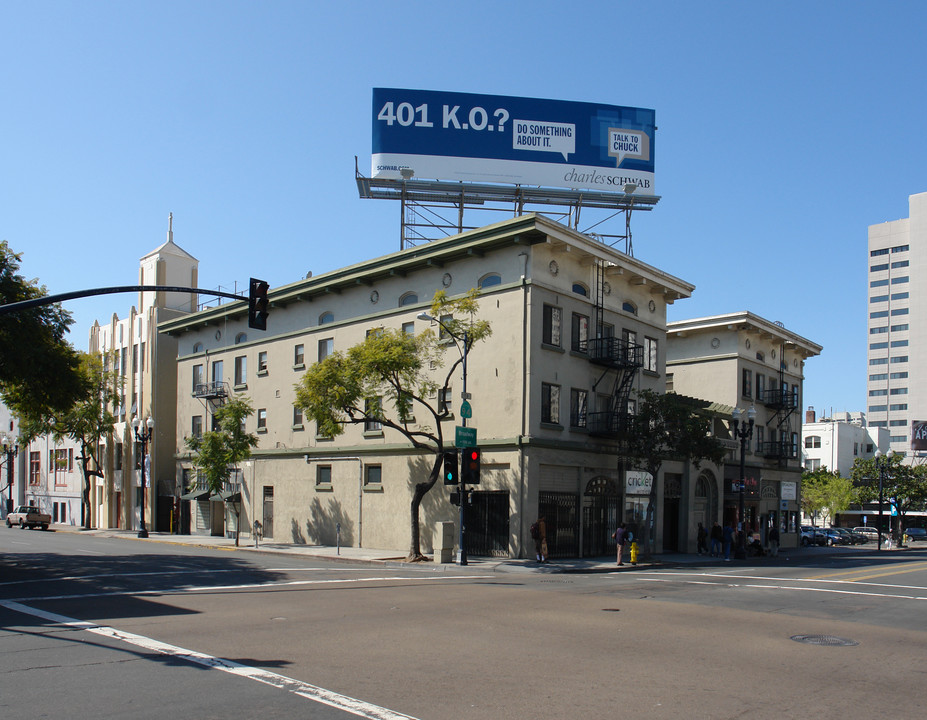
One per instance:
(216, 453)
(33, 348)
(668, 427)
(387, 379)
(904, 486)
(823, 490)
(87, 421)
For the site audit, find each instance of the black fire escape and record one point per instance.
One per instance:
(620, 359)
(784, 401)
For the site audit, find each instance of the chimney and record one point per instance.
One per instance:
(809, 415)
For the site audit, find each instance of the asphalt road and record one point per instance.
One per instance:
(100, 627)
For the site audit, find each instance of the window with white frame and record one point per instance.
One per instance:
(262, 419)
(323, 476)
(650, 354)
(373, 476)
(552, 321)
(550, 403)
(241, 370)
(326, 347)
(579, 332)
(262, 362)
(299, 355)
(373, 408)
(578, 402)
(297, 417)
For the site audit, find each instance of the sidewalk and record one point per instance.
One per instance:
(396, 558)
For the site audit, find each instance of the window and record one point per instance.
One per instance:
(550, 403)
(262, 362)
(877, 393)
(898, 391)
(326, 317)
(761, 357)
(241, 371)
(879, 268)
(878, 408)
(759, 430)
(630, 341)
(578, 400)
(299, 355)
(650, 354)
(899, 343)
(372, 409)
(374, 331)
(629, 307)
(899, 328)
(297, 417)
(898, 406)
(580, 289)
(897, 423)
(117, 456)
(552, 319)
(410, 298)
(196, 427)
(262, 419)
(899, 280)
(878, 376)
(408, 328)
(579, 334)
(323, 476)
(876, 253)
(878, 283)
(746, 385)
(240, 338)
(900, 264)
(813, 441)
(878, 298)
(35, 468)
(217, 371)
(445, 400)
(878, 330)
(326, 346)
(878, 346)
(373, 476)
(899, 359)
(197, 376)
(879, 361)
(878, 314)
(760, 386)
(900, 248)
(198, 347)
(897, 376)
(900, 311)
(490, 280)
(901, 296)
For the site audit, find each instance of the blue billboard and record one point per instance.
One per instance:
(432, 135)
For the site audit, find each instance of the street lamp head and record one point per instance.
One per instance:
(150, 423)
(751, 415)
(135, 423)
(424, 316)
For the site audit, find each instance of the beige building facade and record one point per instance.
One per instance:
(741, 360)
(577, 328)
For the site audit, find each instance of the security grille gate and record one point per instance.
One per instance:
(561, 515)
(488, 524)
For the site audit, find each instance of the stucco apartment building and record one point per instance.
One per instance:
(742, 360)
(897, 334)
(836, 442)
(577, 327)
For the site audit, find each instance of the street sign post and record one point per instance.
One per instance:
(465, 437)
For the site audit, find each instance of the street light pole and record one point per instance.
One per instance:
(143, 437)
(461, 487)
(742, 432)
(881, 464)
(11, 449)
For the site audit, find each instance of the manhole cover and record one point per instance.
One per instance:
(824, 640)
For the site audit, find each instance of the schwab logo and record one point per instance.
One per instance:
(594, 178)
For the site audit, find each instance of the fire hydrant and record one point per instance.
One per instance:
(634, 552)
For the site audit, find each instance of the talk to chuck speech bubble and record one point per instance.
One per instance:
(544, 137)
(628, 143)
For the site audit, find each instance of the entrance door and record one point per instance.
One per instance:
(600, 519)
(671, 525)
(488, 524)
(268, 529)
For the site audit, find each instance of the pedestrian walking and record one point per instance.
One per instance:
(728, 533)
(773, 539)
(621, 538)
(701, 539)
(715, 537)
(539, 535)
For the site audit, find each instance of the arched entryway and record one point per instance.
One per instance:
(705, 508)
(601, 502)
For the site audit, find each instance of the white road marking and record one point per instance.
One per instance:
(297, 687)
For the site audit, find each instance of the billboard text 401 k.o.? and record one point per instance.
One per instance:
(489, 138)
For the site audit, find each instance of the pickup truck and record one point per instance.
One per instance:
(28, 516)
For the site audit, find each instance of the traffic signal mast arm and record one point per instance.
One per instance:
(61, 297)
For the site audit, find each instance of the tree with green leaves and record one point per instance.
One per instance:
(87, 421)
(388, 379)
(824, 491)
(33, 348)
(668, 427)
(904, 486)
(216, 453)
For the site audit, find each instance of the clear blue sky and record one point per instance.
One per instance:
(785, 130)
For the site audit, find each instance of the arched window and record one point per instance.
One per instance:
(326, 317)
(198, 347)
(629, 307)
(580, 289)
(813, 441)
(240, 338)
(410, 298)
(490, 280)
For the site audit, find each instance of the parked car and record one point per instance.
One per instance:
(812, 536)
(28, 516)
(916, 534)
(850, 537)
(869, 532)
(832, 537)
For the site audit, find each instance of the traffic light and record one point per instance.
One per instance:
(455, 498)
(470, 466)
(257, 304)
(450, 467)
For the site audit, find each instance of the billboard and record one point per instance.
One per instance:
(919, 435)
(429, 135)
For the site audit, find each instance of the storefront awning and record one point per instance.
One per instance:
(195, 495)
(228, 496)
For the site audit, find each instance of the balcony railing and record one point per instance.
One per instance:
(778, 398)
(608, 423)
(215, 389)
(780, 450)
(614, 352)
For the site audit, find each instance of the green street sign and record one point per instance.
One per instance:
(465, 410)
(465, 437)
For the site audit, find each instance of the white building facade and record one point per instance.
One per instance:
(896, 328)
(836, 442)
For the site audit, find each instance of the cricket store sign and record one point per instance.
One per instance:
(638, 483)
(465, 137)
